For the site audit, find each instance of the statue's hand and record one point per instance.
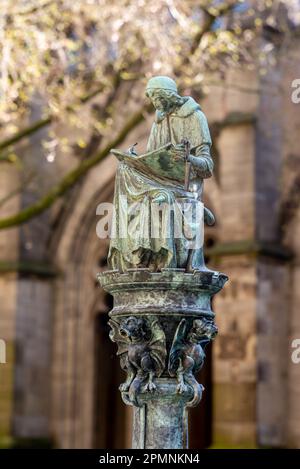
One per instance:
(178, 152)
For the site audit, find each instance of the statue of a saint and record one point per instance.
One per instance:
(145, 231)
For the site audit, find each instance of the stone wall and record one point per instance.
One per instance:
(33, 358)
(9, 240)
(47, 387)
(234, 355)
(290, 213)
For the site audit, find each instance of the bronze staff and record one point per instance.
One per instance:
(187, 147)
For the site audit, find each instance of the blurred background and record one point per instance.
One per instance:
(72, 79)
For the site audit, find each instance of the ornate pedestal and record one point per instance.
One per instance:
(161, 323)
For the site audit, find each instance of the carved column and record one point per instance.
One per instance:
(161, 323)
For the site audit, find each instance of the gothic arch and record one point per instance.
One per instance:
(79, 254)
(77, 301)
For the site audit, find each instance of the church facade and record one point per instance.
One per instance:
(59, 385)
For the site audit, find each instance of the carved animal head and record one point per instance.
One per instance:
(202, 329)
(135, 329)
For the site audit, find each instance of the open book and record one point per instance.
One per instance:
(158, 163)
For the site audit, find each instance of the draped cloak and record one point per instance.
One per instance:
(140, 237)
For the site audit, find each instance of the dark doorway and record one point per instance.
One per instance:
(200, 417)
(110, 412)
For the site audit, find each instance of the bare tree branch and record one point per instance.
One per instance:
(18, 189)
(211, 16)
(41, 123)
(32, 10)
(71, 178)
(31, 129)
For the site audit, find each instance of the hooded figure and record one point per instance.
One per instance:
(141, 236)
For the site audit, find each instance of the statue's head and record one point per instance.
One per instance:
(202, 329)
(134, 329)
(163, 93)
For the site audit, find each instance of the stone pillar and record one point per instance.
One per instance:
(161, 323)
(161, 418)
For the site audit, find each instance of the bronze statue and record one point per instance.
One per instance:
(162, 319)
(157, 182)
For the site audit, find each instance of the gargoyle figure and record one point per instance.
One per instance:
(142, 351)
(187, 354)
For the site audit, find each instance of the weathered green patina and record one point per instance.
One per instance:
(178, 119)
